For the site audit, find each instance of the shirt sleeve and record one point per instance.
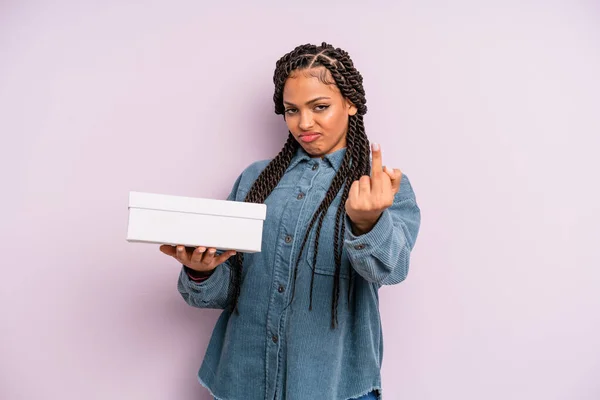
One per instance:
(212, 292)
(382, 255)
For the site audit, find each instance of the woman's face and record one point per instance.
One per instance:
(316, 113)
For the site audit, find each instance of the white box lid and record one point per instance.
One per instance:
(227, 208)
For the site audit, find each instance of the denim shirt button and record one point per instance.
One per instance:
(359, 246)
(280, 289)
(288, 239)
(315, 166)
(300, 196)
(275, 339)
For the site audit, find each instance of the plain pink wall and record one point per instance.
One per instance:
(492, 108)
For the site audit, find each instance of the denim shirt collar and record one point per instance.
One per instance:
(333, 159)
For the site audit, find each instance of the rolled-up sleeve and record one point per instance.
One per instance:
(213, 292)
(382, 255)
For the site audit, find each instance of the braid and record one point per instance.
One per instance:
(361, 153)
(354, 164)
(260, 190)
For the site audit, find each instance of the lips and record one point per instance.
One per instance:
(309, 136)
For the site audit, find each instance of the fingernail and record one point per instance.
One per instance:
(179, 249)
(375, 146)
(212, 251)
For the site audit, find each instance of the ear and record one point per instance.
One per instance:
(352, 110)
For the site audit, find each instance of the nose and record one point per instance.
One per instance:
(306, 121)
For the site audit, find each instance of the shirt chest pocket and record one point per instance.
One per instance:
(325, 261)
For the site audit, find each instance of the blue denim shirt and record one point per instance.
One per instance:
(277, 350)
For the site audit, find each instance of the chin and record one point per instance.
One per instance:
(313, 151)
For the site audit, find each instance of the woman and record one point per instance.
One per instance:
(301, 318)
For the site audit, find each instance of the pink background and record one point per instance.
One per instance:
(492, 108)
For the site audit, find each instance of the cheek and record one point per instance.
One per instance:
(334, 122)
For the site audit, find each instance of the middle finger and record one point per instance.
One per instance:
(197, 254)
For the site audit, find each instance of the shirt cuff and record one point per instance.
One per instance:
(197, 276)
(377, 236)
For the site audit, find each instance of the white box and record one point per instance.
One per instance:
(188, 221)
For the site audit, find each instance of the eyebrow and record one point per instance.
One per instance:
(309, 102)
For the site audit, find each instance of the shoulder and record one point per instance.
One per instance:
(252, 171)
(255, 168)
(247, 177)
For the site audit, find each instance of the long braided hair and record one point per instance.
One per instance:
(354, 164)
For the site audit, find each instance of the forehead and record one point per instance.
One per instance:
(306, 84)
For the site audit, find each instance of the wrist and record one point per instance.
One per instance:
(364, 226)
(361, 228)
(195, 274)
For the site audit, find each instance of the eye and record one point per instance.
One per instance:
(322, 107)
(290, 110)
